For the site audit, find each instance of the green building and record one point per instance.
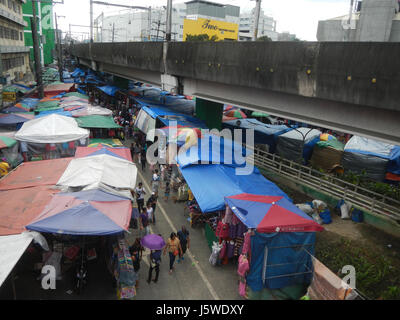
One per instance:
(44, 11)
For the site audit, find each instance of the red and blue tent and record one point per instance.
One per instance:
(268, 214)
(281, 246)
(85, 213)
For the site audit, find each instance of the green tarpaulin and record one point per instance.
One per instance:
(48, 104)
(335, 144)
(6, 142)
(260, 114)
(96, 121)
(76, 94)
(13, 88)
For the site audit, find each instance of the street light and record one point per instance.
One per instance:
(60, 64)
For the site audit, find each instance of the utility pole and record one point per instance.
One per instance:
(113, 30)
(38, 63)
(60, 64)
(257, 12)
(169, 21)
(91, 21)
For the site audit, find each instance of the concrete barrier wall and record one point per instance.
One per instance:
(337, 71)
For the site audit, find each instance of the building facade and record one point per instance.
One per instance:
(14, 65)
(369, 20)
(266, 26)
(45, 27)
(140, 25)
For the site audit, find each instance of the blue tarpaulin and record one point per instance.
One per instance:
(9, 119)
(77, 73)
(60, 112)
(213, 149)
(167, 116)
(109, 90)
(31, 102)
(263, 133)
(280, 260)
(210, 184)
(181, 106)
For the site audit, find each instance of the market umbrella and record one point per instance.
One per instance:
(92, 212)
(270, 214)
(101, 145)
(238, 114)
(228, 107)
(153, 242)
(6, 142)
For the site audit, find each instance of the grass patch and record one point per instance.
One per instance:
(377, 275)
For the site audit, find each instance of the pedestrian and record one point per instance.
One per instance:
(155, 260)
(133, 151)
(149, 211)
(136, 253)
(167, 191)
(174, 249)
(24, 150)
(184, 239)
(143, 159)
(144, 223)
(153, 203)
(139, 193)
(155, 182)
(137, 152)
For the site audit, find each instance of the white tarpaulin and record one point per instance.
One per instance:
(11, 250)
(300, 133)
(369, 146)
(90, 110)
(53, 128)
(99, 170)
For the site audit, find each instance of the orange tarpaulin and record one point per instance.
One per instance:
(19, 207)
(37, 173)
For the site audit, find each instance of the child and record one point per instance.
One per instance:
(167, 191)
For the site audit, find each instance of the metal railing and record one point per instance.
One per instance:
(356, 195)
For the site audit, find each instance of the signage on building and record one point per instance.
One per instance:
(9, 96)
(223, 30)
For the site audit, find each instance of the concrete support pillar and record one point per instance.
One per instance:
(210, 112)
(121, 82)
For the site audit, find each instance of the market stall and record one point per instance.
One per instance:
(276, 257)
(327, 154)
(52, 137)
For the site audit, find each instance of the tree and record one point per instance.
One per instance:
(264, 38)
(201, 37)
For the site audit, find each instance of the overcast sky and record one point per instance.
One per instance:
(296, 16)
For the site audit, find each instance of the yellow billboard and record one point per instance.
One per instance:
(223, 30)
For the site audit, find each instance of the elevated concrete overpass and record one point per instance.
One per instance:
(350, 87)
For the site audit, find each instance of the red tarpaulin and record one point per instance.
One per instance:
(19, 207)
(37, 173)
(121, 152)
(55, 89)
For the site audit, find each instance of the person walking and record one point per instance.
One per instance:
(143, 158)
(144, 223)
(155, 182)
(174, 249)
(184, 239)
(149, 211)
(155, 260)
(153, 203)
(136, 251)
(139, 193)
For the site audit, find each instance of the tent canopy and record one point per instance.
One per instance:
(211, 149)
(270, 214)
(123, 153)
(92, 110)
(92, 212)
(210, 185)
(19, 207)
(6, 142)
(53, 128)
(96, 121)
(11, 250)
(36, 173)
(372, 147)
(109, 90)
(10, 119)
(100, 169)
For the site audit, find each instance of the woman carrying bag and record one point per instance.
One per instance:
(174, 249)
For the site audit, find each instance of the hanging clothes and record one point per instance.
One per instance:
(244, 266)
(222, 230)
(228, 216)
(247, 243)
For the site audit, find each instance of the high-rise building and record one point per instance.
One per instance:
(266, 26)
(14, 62)
(368, 20)
(45, 27)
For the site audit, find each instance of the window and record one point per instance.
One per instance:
(21, 36)
(9, 4)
